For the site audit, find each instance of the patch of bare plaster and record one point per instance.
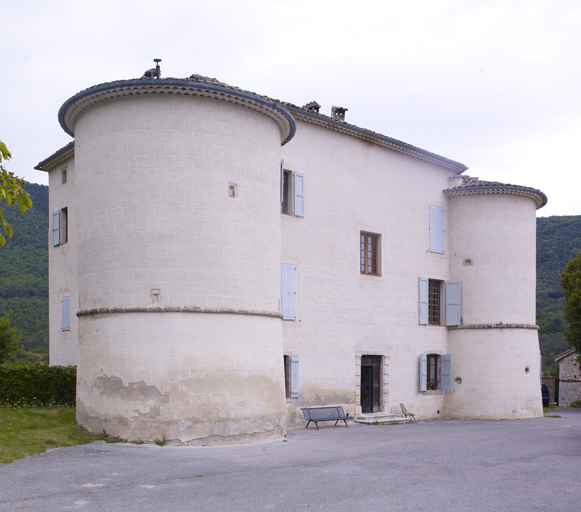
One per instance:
(183, 425)
(134, 391)
(318, 401)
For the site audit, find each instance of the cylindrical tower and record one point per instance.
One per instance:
(496, 356)
(178, 260)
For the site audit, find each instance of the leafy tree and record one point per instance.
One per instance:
(571, 281)
(11, 191)
(9, 339)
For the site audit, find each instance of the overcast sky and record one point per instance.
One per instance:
(494, 84)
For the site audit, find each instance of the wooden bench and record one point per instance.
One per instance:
(317, 414)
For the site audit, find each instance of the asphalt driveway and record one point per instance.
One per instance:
(439, 465)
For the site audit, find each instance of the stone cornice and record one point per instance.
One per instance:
(177, 309)
(57, 158)
(375, 138)
(494, 326)
(74, 106)
(537, 196)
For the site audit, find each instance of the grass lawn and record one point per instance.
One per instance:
(27, 431)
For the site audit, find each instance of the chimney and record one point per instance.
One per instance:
(338, 113)
(313, 106)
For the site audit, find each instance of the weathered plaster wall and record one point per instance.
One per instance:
(191, 377)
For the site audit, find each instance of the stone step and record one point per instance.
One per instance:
(379, 417)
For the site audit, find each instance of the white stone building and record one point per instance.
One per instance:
(219, 260)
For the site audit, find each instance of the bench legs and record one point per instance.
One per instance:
(317, 423)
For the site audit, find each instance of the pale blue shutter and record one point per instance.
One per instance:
(453, 303)
(294, 376)
(282, 181)
(56, 236)
(287, 291)
(446, 372)
(66, 313)
(299, 202)
(436, 229)
(423, 300)
(423, 372)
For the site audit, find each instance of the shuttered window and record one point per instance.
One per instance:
(292, 193)
(60, 227)
(423, 300)
(430, 302)
(435, 372)
(287, 291)
(299, 197)
(291, 374)
(453, 310)
(66, 314)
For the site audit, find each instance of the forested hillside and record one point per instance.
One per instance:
(558, 241)
(24, 269)
(24, 274)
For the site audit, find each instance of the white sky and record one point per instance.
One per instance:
(494, 84)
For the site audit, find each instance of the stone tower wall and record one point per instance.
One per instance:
(179, 269)
(496, 366)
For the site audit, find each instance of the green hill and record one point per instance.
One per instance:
(24, 269)
(24, 274)
(558, 241)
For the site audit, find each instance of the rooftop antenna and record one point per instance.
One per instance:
(157, 68)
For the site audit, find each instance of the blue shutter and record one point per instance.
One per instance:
(294, 376)
(287, 291)
(423, 372)
(56, 236)
(423, 300)
(282, 181)
(453, 303)
(436, 229)
(299, 202)
(446, 372)
(66, 313)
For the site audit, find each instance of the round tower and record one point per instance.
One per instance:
(178, 260)
(496, 366)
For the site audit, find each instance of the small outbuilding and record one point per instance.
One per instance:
(569, 377)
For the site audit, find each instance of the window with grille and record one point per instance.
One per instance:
(434, 288)
(369, 247)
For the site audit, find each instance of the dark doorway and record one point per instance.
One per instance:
(370, 383)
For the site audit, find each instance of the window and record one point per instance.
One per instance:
(435, 372)
(436, 229)
(66, 314)
(292, 193)
(291, 376)
(430, 302)
(369, 258)
(64, 176)
(60, 227)
(434, 302)
(287, 291)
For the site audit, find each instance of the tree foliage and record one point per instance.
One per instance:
(571, 282)
(9, 339)
(24, 270)
(558, 240)
(11, 191)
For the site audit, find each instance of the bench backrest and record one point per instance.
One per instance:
(323, 412)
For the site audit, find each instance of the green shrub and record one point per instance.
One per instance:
(37, 385)
(575, 403)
